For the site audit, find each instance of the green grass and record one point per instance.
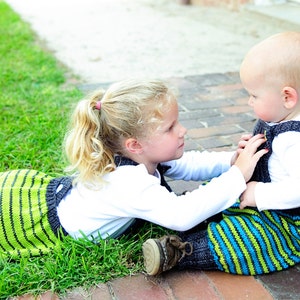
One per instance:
(36, 102)
(75, 263)
(35, 99)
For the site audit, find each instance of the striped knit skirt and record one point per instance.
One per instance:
(250, 242)
(28, 217)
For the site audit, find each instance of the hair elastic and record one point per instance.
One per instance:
(98, 105)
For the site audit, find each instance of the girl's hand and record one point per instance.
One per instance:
(241, 145)
(249, 155)
(248, 197)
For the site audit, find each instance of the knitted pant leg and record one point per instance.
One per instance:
(29, 224)
(201, 257)
(24, 228)
(252, 242)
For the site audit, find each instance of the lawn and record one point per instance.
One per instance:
(37, 97)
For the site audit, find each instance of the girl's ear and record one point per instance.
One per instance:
(290, 97)
(132, 145)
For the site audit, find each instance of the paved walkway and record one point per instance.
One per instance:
(215, 111)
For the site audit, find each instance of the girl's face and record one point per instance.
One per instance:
(167, 142)
(265, 94)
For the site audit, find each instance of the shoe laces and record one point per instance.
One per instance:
(186, 248)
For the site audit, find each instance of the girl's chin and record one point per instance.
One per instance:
(179, 154)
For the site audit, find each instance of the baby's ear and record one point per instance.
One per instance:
(290, 97)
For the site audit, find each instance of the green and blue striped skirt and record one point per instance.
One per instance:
(29, 224)
(252, 242)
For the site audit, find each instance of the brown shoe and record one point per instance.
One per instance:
(163, 254)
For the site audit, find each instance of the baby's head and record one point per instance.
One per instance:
(271, 69)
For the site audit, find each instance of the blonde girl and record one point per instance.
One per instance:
(120, 145)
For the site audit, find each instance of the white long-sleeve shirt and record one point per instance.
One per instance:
(132, 193)
(283, 191)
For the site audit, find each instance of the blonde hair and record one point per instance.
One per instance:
(280, 56)
(130, 108)
(289, 59)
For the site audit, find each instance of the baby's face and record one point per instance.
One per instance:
(272, 91)
(265, 92)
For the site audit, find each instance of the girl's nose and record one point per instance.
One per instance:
(183, 131)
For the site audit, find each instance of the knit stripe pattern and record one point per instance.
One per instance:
(24, 225)
(251, 242)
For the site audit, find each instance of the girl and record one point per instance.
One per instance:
(119, 145)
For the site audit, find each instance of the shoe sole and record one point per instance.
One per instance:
(152, 256)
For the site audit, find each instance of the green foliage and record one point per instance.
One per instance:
(75, 263)
(35, 100)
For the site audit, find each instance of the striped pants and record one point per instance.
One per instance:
(251, 242)
(28, 218)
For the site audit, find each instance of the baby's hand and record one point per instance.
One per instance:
(248, 197)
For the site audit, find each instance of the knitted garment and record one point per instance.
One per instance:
(29, 224)
(251, 242)
(261, 172)
(123, 161)
(201, 257)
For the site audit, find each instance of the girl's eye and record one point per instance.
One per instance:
(171, 128)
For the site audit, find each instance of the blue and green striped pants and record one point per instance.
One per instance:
(251, 242)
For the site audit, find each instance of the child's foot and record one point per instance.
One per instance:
(163, 254)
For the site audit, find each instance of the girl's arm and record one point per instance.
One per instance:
(184, 212)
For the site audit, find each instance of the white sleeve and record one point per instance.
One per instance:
(283, 191)
(278, 195)
(198, 166)
(130, 192)
(183, 212)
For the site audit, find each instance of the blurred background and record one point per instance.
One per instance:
(108, 40)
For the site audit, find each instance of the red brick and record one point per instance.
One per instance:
(228, 87)
(190, 285)
(203, 132)
(238, 286)
(236, 109)
(138, 287)
(101, 292)
(49, 296)
(211, 131)
(23, 297)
